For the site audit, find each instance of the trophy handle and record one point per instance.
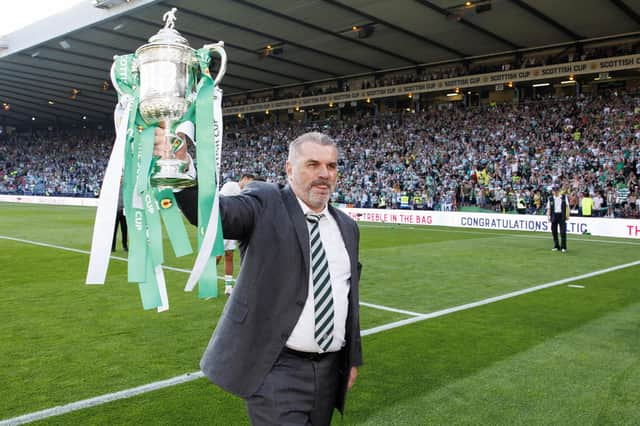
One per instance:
(219, 49)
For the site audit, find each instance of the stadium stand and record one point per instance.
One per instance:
(500, 157)
(442, 72)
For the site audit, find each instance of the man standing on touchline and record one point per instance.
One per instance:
(288, 340)
(558, 215)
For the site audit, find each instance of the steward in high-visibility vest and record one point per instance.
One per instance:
(587, 204)
(404, 201)
(417, 202)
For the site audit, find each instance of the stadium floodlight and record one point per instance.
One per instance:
(452, 94)
(568, 82)
(65, 44)
(540, 84)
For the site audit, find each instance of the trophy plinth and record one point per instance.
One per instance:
(171, 172)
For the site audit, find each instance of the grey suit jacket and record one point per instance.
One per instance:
(271, 288)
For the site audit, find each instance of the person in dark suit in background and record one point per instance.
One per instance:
(558, 215)
(288, 340)
(121, 221)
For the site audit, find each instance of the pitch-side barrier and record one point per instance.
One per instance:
(604, 227)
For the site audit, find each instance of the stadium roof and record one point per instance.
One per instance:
(312, 40)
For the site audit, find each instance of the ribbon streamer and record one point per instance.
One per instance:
(108, 202)
(212, 239)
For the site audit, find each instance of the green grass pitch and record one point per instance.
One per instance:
(565, 355)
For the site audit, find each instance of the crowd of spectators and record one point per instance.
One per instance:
(60, 164)
(499, 157)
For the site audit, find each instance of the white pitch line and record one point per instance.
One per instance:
(20, 240)
(127, 393)
(575, 286)
(102, 399)
(386, 308)
(494, 299)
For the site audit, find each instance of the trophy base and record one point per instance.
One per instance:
(170, 173)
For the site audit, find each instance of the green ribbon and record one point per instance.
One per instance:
(172, 219)
(206, 157)
(149, 292)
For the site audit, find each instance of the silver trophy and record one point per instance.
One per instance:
(168, 79)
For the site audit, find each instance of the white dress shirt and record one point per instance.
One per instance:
(302, 337)
(557, 204)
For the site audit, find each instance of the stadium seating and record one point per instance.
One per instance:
(499, 157)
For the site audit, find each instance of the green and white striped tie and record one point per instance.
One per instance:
(322, 294)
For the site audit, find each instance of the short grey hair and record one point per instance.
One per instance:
(315, 137)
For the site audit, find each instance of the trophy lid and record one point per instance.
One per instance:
(169, 35)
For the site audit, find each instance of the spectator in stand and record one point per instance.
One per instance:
(611, 201)
(597, 204)
(586, 205)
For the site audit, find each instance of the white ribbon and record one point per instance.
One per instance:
(162, 288)
(218, 130)
(212, 227)
(108, 202)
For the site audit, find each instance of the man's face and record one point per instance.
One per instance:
(313, 173)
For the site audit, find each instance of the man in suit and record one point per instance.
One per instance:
(121, 221)
(558, 215)
(290, 355)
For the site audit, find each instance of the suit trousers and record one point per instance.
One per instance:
(297, 391)
(558, 222)
(121, 221)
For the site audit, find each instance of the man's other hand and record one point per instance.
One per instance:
(352, 377)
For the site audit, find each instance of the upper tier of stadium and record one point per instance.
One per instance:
(56, 71)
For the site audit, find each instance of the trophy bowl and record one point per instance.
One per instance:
(167, 68)
(167, 90)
